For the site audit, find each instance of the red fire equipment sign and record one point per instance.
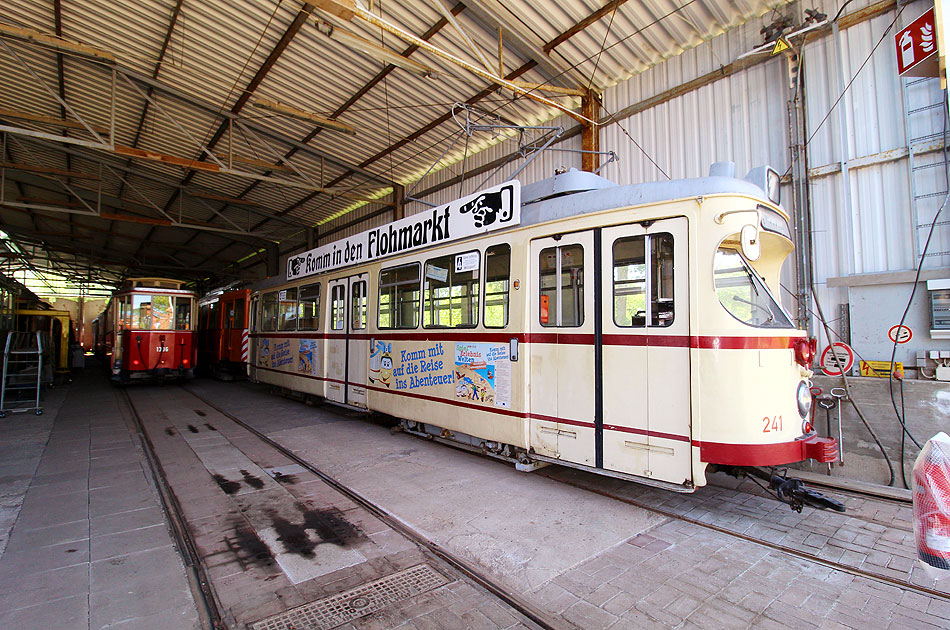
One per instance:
(916, 44)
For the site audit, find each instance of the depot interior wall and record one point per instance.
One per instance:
(893, 202)
(924, 404)
(82, 326)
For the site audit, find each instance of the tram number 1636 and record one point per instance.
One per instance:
(772, 424)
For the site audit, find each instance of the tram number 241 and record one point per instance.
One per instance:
(772, 424)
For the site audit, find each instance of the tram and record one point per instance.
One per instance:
(632, 331)
(223, 342)
(146, 331)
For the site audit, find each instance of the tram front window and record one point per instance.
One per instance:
(744, 294)
(152, 312)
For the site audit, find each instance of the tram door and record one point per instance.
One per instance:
(234, 326)
(609, 349)
(562, 349)
(645, 364)
(347, 343)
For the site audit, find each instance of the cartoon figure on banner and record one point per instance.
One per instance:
(381, 363)
(305, 356)
(264, 358)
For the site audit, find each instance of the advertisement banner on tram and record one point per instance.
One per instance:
(485, 211)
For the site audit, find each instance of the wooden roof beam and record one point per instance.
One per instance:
(60, 44)
(47, 120)
(596, 16)
(299, 114)
(48, 171)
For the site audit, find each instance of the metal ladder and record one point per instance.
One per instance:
(924, 104)
(22, 373)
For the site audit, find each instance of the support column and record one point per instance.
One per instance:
(399, 208)
(311, 233)
(273, 260)
(590, 134)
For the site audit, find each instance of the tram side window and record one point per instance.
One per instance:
(562, 302)
(237, 313)
(497, 272)
(399, 297)
(182, 313)
(125, 313)
(338, 306)
(633, 281)
(255, 316)
(269, 317)
(450, 297)
(308, 309)
(287, 309)
(359, 305)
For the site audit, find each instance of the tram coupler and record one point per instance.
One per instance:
(789, 490)
(793, 492)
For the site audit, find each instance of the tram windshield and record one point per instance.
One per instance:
(744, 294)
(158, 312)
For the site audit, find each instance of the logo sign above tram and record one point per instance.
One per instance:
(917, 47)
(488, 210)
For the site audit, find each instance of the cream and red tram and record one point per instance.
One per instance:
(627, 330)
(146, 331)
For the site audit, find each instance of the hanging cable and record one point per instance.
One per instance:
(903, 436)
(920, 268)
(847, 388)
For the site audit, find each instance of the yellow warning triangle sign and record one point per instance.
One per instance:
(781, 44)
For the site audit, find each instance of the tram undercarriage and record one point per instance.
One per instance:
(788, 490)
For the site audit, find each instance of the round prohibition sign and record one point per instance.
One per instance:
(845, 355)
(900, 334)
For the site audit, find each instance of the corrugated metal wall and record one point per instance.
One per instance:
(880, 232)
(744, 118)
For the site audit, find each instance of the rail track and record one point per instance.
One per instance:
(202, 586)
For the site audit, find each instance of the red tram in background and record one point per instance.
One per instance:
(223, 332)
(146, 331)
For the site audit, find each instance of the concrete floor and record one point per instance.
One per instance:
(89, 547)
(596, 563)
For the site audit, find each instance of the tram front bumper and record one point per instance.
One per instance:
(821, 449)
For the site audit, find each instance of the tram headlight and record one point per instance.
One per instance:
(804, 399)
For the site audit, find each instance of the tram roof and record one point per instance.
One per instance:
(576, 192)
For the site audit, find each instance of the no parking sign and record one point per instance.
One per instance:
(844, 354)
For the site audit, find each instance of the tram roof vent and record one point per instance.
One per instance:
(722, 169)
(567, 183)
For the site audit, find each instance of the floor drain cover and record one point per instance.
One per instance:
(357, 602)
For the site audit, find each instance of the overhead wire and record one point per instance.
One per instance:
(577, 64)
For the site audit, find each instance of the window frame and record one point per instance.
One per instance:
(359, 304)
(286, 307)
(558, 286)
(316, 306)
(271, 326)
(332, 305)
(652, 302)
(507, 293)
(450, 271)
(396, 302)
